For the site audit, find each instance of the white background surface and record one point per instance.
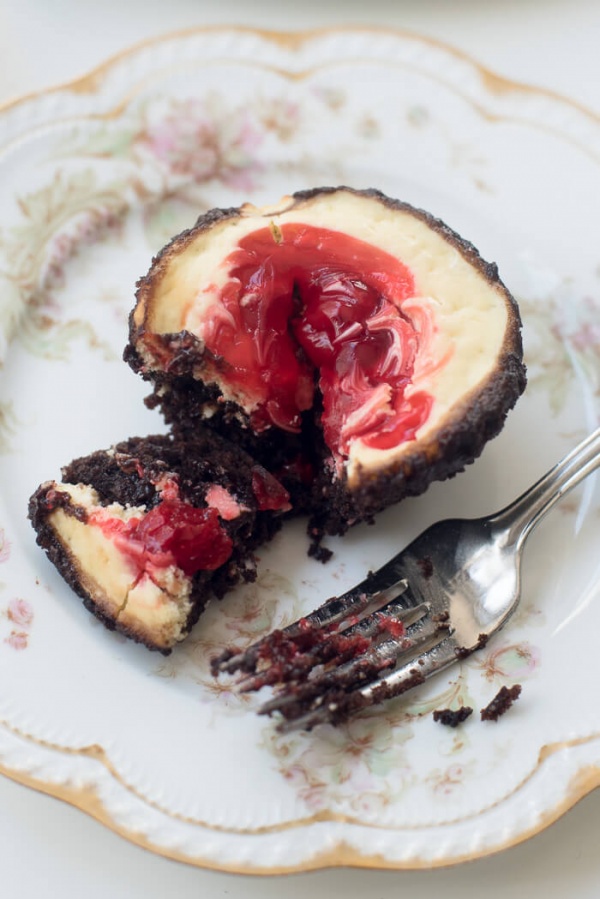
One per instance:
(50, 849)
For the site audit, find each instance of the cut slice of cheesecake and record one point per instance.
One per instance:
(148, 531)
(356, 344)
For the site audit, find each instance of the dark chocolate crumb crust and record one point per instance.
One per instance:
(452, 717)
(501, 703)
(128, 474)
(333, 502)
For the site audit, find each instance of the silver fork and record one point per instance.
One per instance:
(434, 603)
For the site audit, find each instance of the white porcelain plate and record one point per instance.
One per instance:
(94, 179)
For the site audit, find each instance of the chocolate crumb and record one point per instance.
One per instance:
(319, 552)
(482, 641)
(501, 703)
(452, 717)
(462, 652)
(426, 566)
(442, 620)
(441, 616)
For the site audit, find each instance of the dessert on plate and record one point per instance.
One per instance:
(355, 344)
(329, 355)
(148, 531)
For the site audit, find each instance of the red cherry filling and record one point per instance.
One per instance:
(172, 533)
(300, 298)
(194, 537)
(270, 495)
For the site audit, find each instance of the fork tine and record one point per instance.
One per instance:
(356, 600)
(339, 648)
(295, 697)
(336, 706)
(384, 618)
(375, 590)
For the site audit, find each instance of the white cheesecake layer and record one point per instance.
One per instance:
(155, 606)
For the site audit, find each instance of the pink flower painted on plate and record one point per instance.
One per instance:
(584, 333)
(20, 612)
(444, 783)
(280, 117)
(357, 766)
(586, 337)
(17, 639)
(193, 143)
(371, 803)
(565, 347)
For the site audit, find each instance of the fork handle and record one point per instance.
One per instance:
(521, 516)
